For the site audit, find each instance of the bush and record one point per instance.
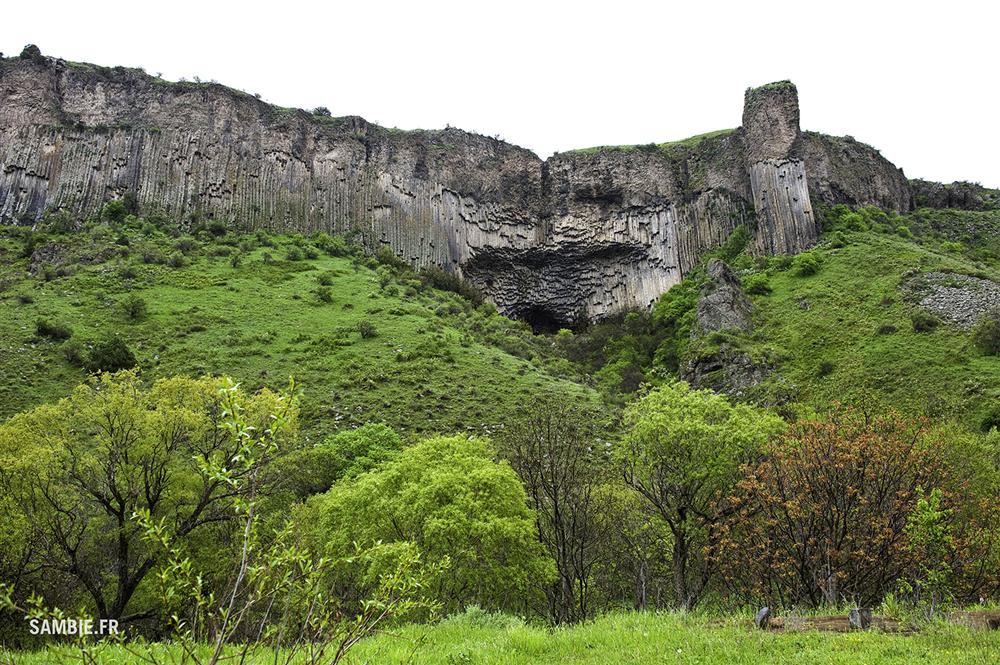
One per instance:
(177, 261)
(437, 278)
(904, 231)
(73, 353)
(293, 254)
(114, 211)
(805, 264)
(986, 335)
(25, 298)
(236, 260)
(326, 295)
(326, 279)
(110, 355)
(134, 307)
(311, 253)
(991, 420)
(886, 329)
(45, 328)
(757, 285)
(924, 321)
(367, 329)
(825, 368)
(127, 272)
(186, 245)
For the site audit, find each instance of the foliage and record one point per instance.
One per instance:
(682, 452)
(80, 469)
(806, 264)
(110, 355)
(986, 336)
(57, 331)
(134, 307)
(923, 321)
(932, 545)
(825, 514)
(449, 497)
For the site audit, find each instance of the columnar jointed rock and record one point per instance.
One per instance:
(584, 234)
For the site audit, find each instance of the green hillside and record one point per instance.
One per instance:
(366, 341)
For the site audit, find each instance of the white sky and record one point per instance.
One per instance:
(917, 80)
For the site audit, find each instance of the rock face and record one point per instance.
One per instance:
(580, 236)
(714, 362)
(964, 195)
(723, 306)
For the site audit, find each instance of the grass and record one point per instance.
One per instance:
(690, 142)
(477, 638)
(827, 327)
(365, 347)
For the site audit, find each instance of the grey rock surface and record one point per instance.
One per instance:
(723, 305)
(581, 235)
(962, 300)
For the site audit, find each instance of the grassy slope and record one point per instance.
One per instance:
(429, 368)
(854, 293)
(640, 639)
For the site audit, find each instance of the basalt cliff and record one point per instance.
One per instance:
(583, 234)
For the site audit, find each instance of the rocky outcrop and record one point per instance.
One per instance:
(723, 306)
(963, 195)
(962, 300)
(581, 235)
(715, 358)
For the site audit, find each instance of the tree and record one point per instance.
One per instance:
(78, 471)
(682, 452)
(826, 513)
(558, 454)
(449, 497)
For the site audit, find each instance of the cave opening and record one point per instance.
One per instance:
(544, 321)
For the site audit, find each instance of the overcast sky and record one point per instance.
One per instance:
(920, 84)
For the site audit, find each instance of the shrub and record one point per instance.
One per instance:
(25, 298)
(127, 272)
(757, 284)
(73, 353)
(367, 329)
(110, 355)
(806, 263)
(321, 111)
(886, 329)
(326, 295)
(267, 258)
(904, 231)
(326, 279)
(991, 420)
(437, 278)
(235, 260)
(186, 245)
(114, 211)
(311, 253)
(293, 254)
(924, 321)
(952, 247)
(825, 368)
(45, 328)
(986, 335)
(177, 261)
(134, 307)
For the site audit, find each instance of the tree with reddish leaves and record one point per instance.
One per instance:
(824, 516)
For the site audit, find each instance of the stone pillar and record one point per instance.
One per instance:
(778, 181)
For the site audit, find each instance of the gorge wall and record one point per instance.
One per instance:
(583, 234)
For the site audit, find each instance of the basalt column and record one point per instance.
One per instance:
(778, 182)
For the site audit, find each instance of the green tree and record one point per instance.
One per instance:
(78, 470)
(682, 452)
(451, 498)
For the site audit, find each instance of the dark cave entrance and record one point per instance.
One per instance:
(544, 321)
